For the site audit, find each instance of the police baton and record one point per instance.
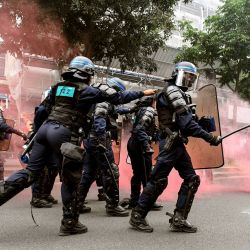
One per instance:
(108, 162)
(235, 131)
(28, 145)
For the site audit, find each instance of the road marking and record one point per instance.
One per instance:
(246, 211)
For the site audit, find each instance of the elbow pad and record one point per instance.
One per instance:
(148, 116)
(101, 109)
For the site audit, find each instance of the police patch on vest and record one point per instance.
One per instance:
(65, 91)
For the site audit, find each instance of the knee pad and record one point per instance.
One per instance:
(161, 184)
(194, 183)
(155, 188)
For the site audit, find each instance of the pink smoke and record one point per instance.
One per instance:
(233, 176)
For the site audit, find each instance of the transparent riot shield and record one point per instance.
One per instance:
(202, 154)
(5, 141)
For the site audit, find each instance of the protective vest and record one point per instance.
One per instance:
(65, 109)
(176, 103)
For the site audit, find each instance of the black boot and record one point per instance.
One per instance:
(40, 203)
(156, 207)
(50, 199)
(138, 220)
(132, 204)
(101, 195)
(124, 203)
(116, 210)
(82, 196)
(71, 226)
(9, 190)
(84, 209)
(70, 223)
(179, 224)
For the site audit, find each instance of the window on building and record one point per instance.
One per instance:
(2, 64)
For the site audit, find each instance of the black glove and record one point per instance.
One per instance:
(215, 140)
(207, 123)
(134, 109)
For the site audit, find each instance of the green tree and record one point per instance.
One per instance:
(224, 46)
(128, 30)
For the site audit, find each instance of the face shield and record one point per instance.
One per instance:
(186, 80)
(4, 102)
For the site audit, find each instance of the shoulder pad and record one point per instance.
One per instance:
(104, 88)
(176, 98)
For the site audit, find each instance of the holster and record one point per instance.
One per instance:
(171, 139)
(72, 151)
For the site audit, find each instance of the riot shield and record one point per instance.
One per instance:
(5, 142)
(203, 155)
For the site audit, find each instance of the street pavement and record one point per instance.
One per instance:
(221, 211)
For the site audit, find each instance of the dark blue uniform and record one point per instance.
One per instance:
(144, 129)
(102, 158)
(176, 123)
(70, 101)
(41, 189)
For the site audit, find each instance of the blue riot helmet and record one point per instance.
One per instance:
(185, 74)
(116, 83)
(81, 68)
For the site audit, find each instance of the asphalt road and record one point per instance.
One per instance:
(222, 214)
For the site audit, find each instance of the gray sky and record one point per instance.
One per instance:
(210, 3)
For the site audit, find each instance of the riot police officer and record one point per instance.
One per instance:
(144, 132)
(99, 153)
(176, 123)
(5, 131)
(41, 188)
(58, 140)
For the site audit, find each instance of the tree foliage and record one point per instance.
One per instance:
(224, 46)
(25, 28)
(128, 30)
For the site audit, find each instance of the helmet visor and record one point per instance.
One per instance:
(186, 79)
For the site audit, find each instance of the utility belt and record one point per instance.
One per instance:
(94, 135)
(172, 138)
(76, 131)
